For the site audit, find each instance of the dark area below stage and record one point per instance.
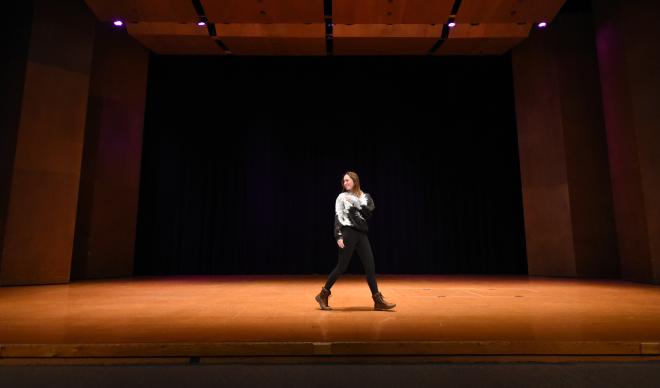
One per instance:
(332, 374)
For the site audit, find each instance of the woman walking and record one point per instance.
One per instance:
(353, 208)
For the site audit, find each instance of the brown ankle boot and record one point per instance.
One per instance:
(380, 303)
(322, 298)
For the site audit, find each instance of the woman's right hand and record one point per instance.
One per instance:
(340, 242)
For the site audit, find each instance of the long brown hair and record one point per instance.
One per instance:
(356, 183)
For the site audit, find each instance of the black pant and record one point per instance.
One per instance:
(355, 240)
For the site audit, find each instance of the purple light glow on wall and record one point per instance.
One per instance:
(118, 23)
(452, 24)
(542, 25)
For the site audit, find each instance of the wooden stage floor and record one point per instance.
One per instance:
(444, 316)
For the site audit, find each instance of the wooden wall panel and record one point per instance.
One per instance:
(567, 201)
(629, 59)
(546, 201)
(38, 240)
(12, 79)
(110, 176)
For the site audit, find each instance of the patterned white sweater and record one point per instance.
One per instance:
(353, 211)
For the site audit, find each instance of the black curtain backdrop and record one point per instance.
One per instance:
(243, 158)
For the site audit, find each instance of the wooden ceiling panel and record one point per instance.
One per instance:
(483, 39)
(477, 46)
(275, 30)
(264, 11)
(391, 11)
(144, 10)
(174, 38)
(297, 27)
(166, 28)
(383, 39)
(273, 39)
(382, 46)
(508, 11)
(275, 46)
(490, 30)
(387, 31)
(179, 45)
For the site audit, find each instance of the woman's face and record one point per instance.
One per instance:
(348, 182)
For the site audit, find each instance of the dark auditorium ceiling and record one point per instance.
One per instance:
(322, 27)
